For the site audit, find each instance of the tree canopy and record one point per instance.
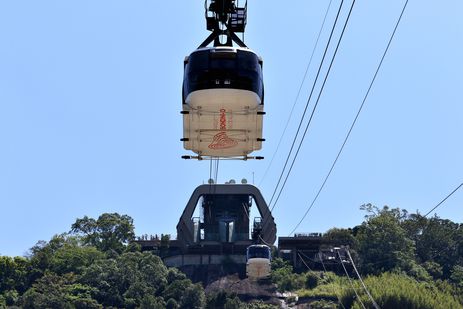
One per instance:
(408, 261)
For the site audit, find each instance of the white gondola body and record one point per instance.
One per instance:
(222, 122)
(258, 259)
(223, 106)
(258, 268)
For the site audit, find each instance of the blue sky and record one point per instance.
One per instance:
(90, 94)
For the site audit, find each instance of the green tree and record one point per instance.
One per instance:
(218, 299)
(152, 302)
(174, 274)
(457, 276)
(110, 231)
(311, 280)
(283, 276)
(341, 237)
(193, 297)
(439, 242)
(383, 243)
(176, 289)
(13, 273)
(10, 297)
(434, 269)
(73, 257)
(124, 281)
(171, 304)
(104, 276)
(165, 244)
(50, 291)
(41, 255)
(233, 303)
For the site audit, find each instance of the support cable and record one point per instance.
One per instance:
(210, 171)
(307, 103)
(217, 169)
(307, 265)
(361, 281)
(265, 243)
(314, 261)
(334, 288)
(441, 202)
(456, 242)
(355, 119)
(324, 268)
(298, 92)
(316, 104)
(209, 181)
(453, 247)
(350, 280)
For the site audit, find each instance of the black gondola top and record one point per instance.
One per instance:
(223, 67)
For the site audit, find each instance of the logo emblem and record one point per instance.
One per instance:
(222, 141)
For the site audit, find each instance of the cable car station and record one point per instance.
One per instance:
(223, 109)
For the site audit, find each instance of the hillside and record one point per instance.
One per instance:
(406, 261)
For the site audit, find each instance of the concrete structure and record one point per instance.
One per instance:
(224, 224)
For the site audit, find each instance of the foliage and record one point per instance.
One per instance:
(406, 253)
(285, 279)
(339, 237)
(165, 243)
(53, 291)
(232, 303)
(152, 302)
(457, 276)
(94, 267)
(412, 262)
(10, 297)
(383, 244)
(222, 299)
(323, 304)
(283, 276)
(193, 297)
(124, 281)
(73, 257)
(311, 280)
(108, 232)
(13, 273)
(398, 291)
(434, 269)
(171, 304)
(258, 305)
(329, 286)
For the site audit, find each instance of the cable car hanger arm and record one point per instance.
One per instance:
(214, 37)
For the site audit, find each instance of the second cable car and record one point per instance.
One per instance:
(258, 259)
(223, 90)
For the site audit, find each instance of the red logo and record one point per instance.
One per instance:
(223, 119)
(222, 141)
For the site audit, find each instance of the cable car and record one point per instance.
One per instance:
(258, 258)
(223, 102)
(223, 90)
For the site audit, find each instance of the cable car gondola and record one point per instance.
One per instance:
(223, 90)
(258, 258)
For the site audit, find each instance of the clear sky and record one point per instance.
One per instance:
(90, 94)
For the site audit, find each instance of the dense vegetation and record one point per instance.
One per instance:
(95, 266)
(407, 261)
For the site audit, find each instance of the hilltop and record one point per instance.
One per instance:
(406, 261)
